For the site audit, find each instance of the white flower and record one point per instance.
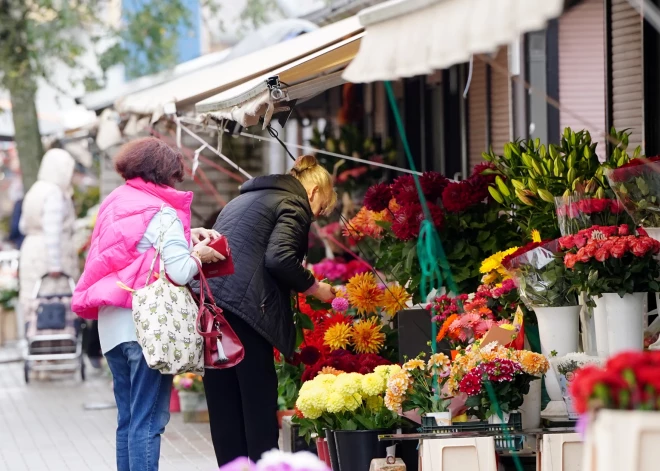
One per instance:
(303, 460)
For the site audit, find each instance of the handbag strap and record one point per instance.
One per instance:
(207, 331)
(159, 248)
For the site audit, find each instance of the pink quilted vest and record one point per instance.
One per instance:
(113, 256)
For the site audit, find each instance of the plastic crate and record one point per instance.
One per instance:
(513, 442)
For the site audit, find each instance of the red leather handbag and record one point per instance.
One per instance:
(222, 347)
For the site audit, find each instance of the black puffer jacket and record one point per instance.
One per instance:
(267, 227)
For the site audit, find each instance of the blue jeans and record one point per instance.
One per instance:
(143, 403)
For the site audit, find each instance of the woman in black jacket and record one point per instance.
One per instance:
(267, 228)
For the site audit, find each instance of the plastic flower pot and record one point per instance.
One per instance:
(193, 407)
(332, 449)
(356, 448)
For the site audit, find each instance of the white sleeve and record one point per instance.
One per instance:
(52, 220)
(180, 265)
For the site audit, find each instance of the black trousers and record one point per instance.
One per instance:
(242, 400)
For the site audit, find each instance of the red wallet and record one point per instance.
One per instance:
(223, 267)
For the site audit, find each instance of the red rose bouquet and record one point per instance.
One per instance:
(637, 186)
(628, 381)
(611, 260)
(578, 211)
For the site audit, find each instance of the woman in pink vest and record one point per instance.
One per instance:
(129, 224)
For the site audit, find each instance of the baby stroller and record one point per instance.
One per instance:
(53, 333)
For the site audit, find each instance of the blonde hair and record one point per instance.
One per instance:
(310, 173)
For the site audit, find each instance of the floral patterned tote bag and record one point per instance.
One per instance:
(165, 317)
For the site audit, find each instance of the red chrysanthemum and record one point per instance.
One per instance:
(310, 355)
(457, 197)
(404, 190)
(377, 198)
(408, 220)
(433, 184)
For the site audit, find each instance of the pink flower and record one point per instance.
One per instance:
(340, 304)
(186, 383)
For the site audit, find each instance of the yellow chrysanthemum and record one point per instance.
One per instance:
(338, 336)
(494, 262)
(439, 361)
(374, 403)
(335, 403)
(363, 293)
(394, 299)
(352, 402)
(415, 364)
(367, 336)
(373, 384)
(536, 236)
(312, 400)
(347, 384)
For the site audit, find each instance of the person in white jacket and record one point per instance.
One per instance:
(48, 222)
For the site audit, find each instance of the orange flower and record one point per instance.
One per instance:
(329, 370)
(364, 224)
(445, 326)
(367, 337)
(394, 299)
(363, 292)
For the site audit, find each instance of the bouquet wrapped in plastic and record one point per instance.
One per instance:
(578, 211)
(637, 186)
(540, 274)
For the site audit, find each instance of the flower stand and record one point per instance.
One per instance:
(625, 322)
(559, 332)
(458, 454)
(622, 440)
(561, 452)
(193, 407)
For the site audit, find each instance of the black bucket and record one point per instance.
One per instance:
(356, 448)
(332, 449)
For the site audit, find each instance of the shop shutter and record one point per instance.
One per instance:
(477, 139)
(627, 73)
(582, 68)
(500, 116)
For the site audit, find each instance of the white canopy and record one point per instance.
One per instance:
(299, 80)
(212, 80)
(405, 38)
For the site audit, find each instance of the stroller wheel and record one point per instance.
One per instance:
(26, 371)
(82, 368)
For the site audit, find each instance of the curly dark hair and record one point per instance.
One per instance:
(151, 160)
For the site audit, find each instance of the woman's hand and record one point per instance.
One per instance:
(205, 253)
(199, 234)
(324, 293)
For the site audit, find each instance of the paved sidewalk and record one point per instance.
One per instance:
(44, 426)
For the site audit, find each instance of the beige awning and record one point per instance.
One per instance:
(299, 80)
(405, 38)
(212, 80)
